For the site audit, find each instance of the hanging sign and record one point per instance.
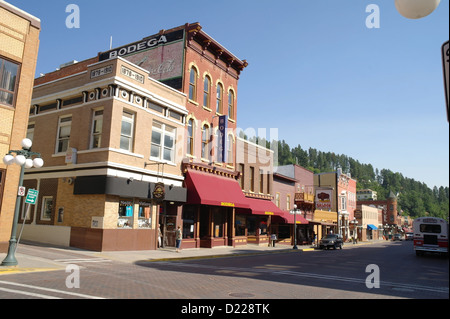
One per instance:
(159, 192)
(222, 136)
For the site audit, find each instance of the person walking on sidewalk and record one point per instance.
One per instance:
(178, 237)
(159, 235)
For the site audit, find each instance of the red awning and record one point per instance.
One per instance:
(288, 218)
(209, 189)
(261, 207)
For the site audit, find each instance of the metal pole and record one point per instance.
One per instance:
(295, 229)
(10, 259)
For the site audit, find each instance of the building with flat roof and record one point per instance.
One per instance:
(19, 45)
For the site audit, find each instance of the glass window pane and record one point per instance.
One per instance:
(168, 141)
(155, 151)
(8, 75)
(126, 128)
(124, 143)
(156, 137)
(64, 131)
(168, 154)
(98, 124)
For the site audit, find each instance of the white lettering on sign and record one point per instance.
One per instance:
(137, 47)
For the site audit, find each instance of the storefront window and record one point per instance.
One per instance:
(125, 219)
(263, 227)
(240, 225)
(251, 225)
(145, 215)
(284, 231)
(219, 220)
(188, 222)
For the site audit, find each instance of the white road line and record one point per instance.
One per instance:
(82, 260)
(32, 294)
(49, 290)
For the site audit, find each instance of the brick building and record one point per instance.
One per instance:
(112, 139)
(19, 44)
(159, 111)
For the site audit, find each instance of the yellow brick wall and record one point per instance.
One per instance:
(19, 42)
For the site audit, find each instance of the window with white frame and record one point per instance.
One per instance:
(30, 131)
(47, 206)
(127, 131)
(163, 142)
(97, 127)
(64, 127)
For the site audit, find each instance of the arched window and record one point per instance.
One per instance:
(231, 104)
(206, 92)
(219, 95)
(193, 84)
(205, 141)
(190, 137)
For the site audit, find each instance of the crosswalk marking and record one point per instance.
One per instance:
(82, 260)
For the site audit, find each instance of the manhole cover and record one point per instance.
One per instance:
(241, 295)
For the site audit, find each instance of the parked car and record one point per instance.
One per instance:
(397, 237)
(331, 240)
(409, 236)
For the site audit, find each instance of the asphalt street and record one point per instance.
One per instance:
(380, 270)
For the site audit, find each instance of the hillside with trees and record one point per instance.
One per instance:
(415, 198)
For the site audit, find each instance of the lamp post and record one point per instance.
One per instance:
(295, 227)
(23, 158)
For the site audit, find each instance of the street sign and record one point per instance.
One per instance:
(31, 196)
(445, 58)
(21, 191)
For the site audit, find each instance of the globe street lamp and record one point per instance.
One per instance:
(416, 9)
(23, 158)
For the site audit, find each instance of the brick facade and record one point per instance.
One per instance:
(19, 43)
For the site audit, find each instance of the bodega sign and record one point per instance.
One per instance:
(146, 44)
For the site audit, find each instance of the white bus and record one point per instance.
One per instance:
(430, 235)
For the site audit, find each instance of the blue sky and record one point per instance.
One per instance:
(316, 72)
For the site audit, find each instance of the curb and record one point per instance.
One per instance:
(225, 255)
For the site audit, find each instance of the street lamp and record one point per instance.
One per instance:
(295, 227)
(416, 9)
(23, 158)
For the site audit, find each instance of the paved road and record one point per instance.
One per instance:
(329, 274)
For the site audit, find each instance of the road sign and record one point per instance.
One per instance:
(21, 191)
(445, 58)
(31, 196)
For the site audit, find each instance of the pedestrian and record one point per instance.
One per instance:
(273, 238)
(178, 237)
(159, 235)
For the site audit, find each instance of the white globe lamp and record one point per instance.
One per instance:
(20, 160)
(38, 162)
(8, 159)
(28, 163)
(26, 143)
(416, 9)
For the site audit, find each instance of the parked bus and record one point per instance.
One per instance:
(430, 235)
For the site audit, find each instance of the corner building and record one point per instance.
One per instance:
(19, 44)
(140, 136)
